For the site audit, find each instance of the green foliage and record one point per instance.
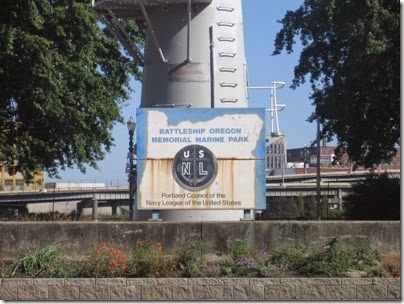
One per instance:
(149, 260)
(278, 208)
(331, 261)
(291, 257)
(324, 207)
(190, 257)
(310, 207)
(295, 213)
(123, 217)
(377, 198)
(246, 262)
(366, 258)
(256, 265)
(350, 52)
(64, 80)
(47, 262)
(239, 249)
(241, 261)
(298, 207)
(336, 214)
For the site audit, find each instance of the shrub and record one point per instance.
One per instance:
(365, 258)
(332, 261)
(240, 249)
(310, 207)
(105, 260)
(291, 257)
(336, 214)
(278, 208)
(246, 262)
(255, 265)
(377, 198)
(297, 206)
(190, 257)
(148, 260)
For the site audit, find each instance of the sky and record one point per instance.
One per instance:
(260, 27)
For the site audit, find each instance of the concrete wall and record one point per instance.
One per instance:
(19, 237)
(225, 289)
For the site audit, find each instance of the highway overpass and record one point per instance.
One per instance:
(333, 185)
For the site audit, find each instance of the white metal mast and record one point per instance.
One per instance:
(276, 141)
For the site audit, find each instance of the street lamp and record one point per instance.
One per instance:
(318, 169)
(305, 160)
(131, 170)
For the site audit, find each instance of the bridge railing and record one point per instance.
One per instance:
(70, 185)
(89, 184)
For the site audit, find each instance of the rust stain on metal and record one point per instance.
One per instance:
(231, 188)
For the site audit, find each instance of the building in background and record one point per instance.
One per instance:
(304, 160)
(16, 182)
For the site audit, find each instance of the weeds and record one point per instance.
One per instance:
(48, 261)
(291, 257)
(335, 261)
(148, 259)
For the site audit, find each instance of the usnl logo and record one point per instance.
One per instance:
(194, 168)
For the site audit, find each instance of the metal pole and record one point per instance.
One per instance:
(152, 33)
(318, 170)
(189, 31)
(305, 159)
(131, 132)
(328, 199)
(212, 68)
(284, 161)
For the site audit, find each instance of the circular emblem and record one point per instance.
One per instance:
(194, 168)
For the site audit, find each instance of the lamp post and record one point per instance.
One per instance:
(305, 155)
(131, 170)
(318, 169)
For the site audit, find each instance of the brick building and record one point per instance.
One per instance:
(304, 160)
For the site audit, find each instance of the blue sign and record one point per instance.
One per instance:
(201, 158)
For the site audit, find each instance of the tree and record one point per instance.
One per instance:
(295, 211)
(277, 208)
(64, 80)
(310, 207)
(324, 207)
(351, 51)
(298, 207)
(377, 198)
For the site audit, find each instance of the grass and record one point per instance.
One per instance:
(49, 262)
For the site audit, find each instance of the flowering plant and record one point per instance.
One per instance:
(149, 260)
(107, 260)
(392, 267)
